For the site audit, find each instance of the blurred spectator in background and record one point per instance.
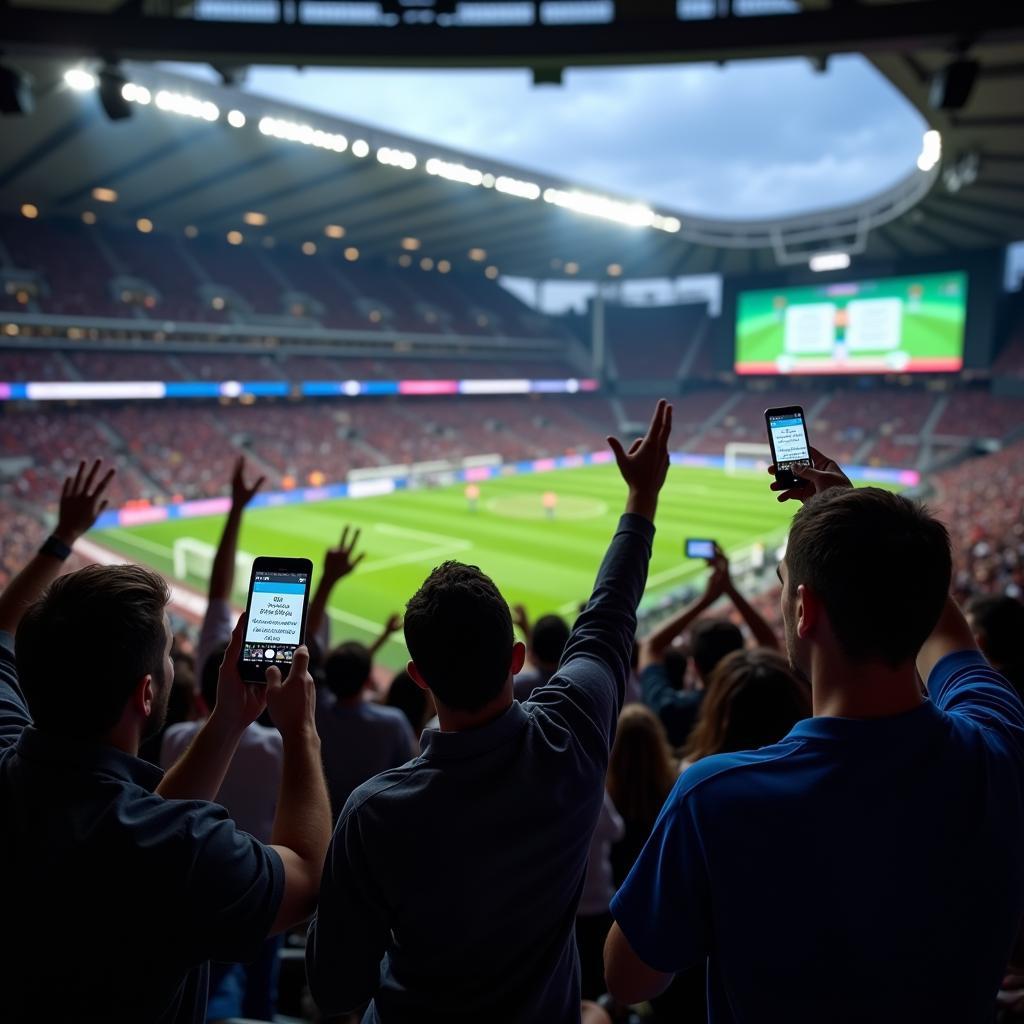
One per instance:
(998, 626)
(545, 642)
(414, 702)
(711, 640)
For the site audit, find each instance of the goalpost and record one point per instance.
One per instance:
(194, 558)
(740, 455)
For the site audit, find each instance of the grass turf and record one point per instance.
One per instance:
(545, 564)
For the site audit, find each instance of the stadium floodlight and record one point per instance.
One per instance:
(491, 273)
(405, 260)
(15, 92)
(515, 187)
(104, 195)
(351, 254)
(931, 150)
(426, 263)
(79, 79)
(254, 218)
(145, 225)
(631, 214)
(88, 217)
(236, 119)
(456, 172)
(334, 231)
(187, 106)
(392, 157)
(411, 244)
(135, 93)
(614, 270)
(235, 238)
(572, 268)
(443, 266)
(478, 255)
(823, 261)
(360, 148)
(29, 210)
(111, 93)
(309, 248)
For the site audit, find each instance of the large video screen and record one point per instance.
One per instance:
(889, 325)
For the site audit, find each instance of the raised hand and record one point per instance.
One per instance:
(239, 703)
(822, 475)
(292, 702)
(394, 623)
(719, 582)
(242, 493)
(521, 619)
(81, 501)
(340, 561)
(645, 465)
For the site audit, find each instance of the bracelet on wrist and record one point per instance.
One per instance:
(55, 548)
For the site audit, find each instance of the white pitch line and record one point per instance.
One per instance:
(360, 623)
(146, 545)
(433, 538)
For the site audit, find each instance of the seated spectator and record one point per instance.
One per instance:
(414, 702)
(883, 839)
(998, 626)
(129, 880)
(752, 700)
(451, 885)
(711, 640)
(360, 738)
(546, 641)
(592, 917)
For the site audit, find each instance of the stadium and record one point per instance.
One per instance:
(194, 273)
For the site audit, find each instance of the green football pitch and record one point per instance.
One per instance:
(544, 564)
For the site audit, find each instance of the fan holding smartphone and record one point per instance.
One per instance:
(275, 615)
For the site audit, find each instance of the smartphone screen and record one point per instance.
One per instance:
(700, 549)
(276, 624)
(787, 436)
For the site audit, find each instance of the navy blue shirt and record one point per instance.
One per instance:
(114, 898)
(451, 884)
(859, 870)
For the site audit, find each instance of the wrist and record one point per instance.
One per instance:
(65, 535)
(642, 504)
(301, 737)
(225, 726)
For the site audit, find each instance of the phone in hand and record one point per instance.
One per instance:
(700, 549)
(275, 615)
(787, 436)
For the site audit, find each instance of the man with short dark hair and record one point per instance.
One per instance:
(546, 640)
(451, 885)
(122, 883)
(870, 866)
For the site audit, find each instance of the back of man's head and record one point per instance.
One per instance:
(87, 643)
(711, 640)
(458, 629)
(879, 563)
(998, 626)
(347, 669)
(548, 639)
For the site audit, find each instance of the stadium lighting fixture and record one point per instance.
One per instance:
(823, 261)
(188, 106)
(443, 266)
(104, 195)
(351, 254)
(375, 316)
(235, 238)
(491, 273)
(191, 231)
(456, 172)
(135, 93)
(144, 224)
(88, 217)
(411, 244)
(334, 231)
(360, 148)
(217, 302)
(488, 181)
(236, 119)
(614, 270)
(292, 131)
(931, 150)
(478, 255)
(29, 210)
(572, 268)
(396, 158)
(79, 79)
(254, 219)
(631, 214)
(515, 187)
(426, 263)
(309, 248)
(405, 260)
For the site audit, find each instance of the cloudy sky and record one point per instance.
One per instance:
(750, 139)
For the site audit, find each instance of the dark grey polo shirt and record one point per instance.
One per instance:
(451, 885)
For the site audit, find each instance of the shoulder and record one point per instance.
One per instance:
(714, 778)
(403, 786)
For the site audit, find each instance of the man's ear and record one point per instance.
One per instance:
(518, 657)
(415, 675)
(144, 696)
(808, 611)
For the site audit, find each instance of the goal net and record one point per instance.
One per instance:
(193, 559)
(743, 457)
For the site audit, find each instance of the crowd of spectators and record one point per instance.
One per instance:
(690, 781)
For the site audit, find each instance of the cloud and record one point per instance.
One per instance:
(748, 140)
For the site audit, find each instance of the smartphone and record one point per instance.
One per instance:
(276, 615)
(700, 549)
(787, 436)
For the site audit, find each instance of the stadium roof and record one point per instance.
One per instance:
(176, 168)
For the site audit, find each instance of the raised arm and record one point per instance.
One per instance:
(391, 627)
(759, 629)
(222, 575)
(654, 645)
(81, 502)
(950, 635)
(338, 563)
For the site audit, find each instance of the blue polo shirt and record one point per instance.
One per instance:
(114, 899)
(859, 870)
(451, 883)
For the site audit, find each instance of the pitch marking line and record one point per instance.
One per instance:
(440, 547)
